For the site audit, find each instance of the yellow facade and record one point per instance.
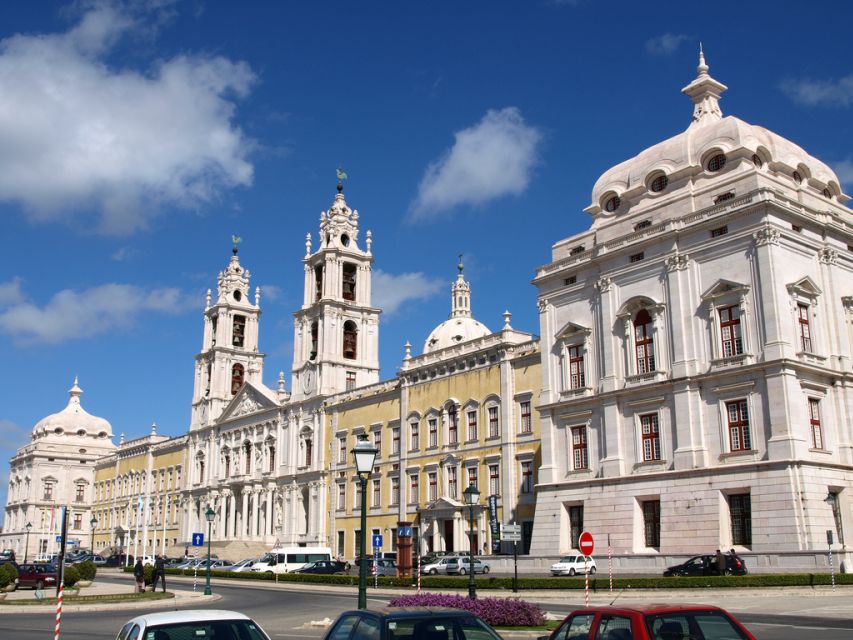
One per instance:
(146, 470)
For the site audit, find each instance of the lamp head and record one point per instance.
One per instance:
(28, 527)
(472, 495)
(210, 514)
(364, 454)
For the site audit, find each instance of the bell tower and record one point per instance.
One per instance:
(336, 332)
(229, 355)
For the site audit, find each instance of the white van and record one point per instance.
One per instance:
(284, 559)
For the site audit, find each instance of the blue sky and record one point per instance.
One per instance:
(137, 137)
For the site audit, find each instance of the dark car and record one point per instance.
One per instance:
(37, 576)
(706, 565)
(324, 566)
(410, 624)
(116, 560)
(651, 622)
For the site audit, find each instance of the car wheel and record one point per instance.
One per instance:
(728, 572)
(571, 572)
(432, 572)
(485, 569)
(592, 571)
(39, 585)
(462, 572)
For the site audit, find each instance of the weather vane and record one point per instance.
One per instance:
(235, 239)
(341, 177)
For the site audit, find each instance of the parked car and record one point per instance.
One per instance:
(193, 623)
(383, 567)
(99, 561)
(243, 565)
(411, 624)
(438, 566)
(37, 575)
(462, 566)
(573, 564)
(651, 622)
(706, 565)
(215, 565)
(325, 566)
(117, 560)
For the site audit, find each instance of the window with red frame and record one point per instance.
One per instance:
(651, 436)
(805, 330)
(395, 491)
(473, 481)
(80, 496)
(452, 425)
(377, 442)
(452, 482)
(342, 449)
(494, 480)
(814, 423)
(526, 477)
(730, 336)
(740, 438)
(644, 342)
(414, 489)
(580, 454)
(342, 496)
(494, 426)
(576, 375)
(377, 493)
(395, 440)
(350, 380)
(433, 485)
(472, 424)
(433, 433)
(526, 421)
(414, 428)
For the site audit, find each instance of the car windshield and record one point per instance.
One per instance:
(267, 558)
(436, 628)
(711, 625)
(228, 629)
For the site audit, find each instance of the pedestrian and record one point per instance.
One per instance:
(159, 572)
(139, 575)
(721, 563)
(732, 553)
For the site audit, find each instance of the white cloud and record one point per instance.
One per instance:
(271, 292)
(812, 93)
(72, 315)
(77, 134)
(493, 158)
(844, 171)
(10, 292)
(124, 253)
(665, 45)
(391, 291)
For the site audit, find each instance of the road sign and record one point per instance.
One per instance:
(377, 540)
(404, 532)
(198, 539)
(586, 543)
(511, 532)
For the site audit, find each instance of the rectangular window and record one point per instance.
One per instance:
(472, 425)
(526, 477)
(473, 480)
(651, 436)
(377, 493)
(570, 280)
(433, 485)
(78, 521)
(395, 491)
(342, 496)
(637, 257)
(576, 524)
(741, 512)
(377, 442)
(651, 522)
(433, 433)
(494, 480)
(357, 541)
(719, 231)
(730, 336)
(814, 423)
(452, 482)
(644, 342)
(358, 495)
(415, 436)
(580, 455)
(350, 380)
(452, 425)
(48, 491)
(526, 420)
(79, 496)
(395, 440)
(805, 331)
(738, 417)
(414, 489)
(271, 451)
(239, 331)
(576, 374)
(342, 449)
(494, 426)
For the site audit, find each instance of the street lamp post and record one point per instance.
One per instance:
(364, 454)
(210, 514)
(472, 496)
(27, 543)
(93, 522)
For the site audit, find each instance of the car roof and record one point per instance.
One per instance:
(650, 608)
(412, 612)
(188, 615)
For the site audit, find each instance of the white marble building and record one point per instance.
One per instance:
(56, 468)
(697, 345)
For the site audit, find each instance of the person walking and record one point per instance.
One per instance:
(139, 575)
(721, 563)
(159, 572)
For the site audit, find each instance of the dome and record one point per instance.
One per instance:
(709, 134)
(461, 326)
(73, 420)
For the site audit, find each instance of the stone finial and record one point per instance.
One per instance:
(281, 386)
(257, 296)
(702, 69)
(705, 93)
(207, 300)
(153, 428)
(408, 347)
(369, 241)
(74, 393)
(307, 244)
(507, 315)
(121, 438)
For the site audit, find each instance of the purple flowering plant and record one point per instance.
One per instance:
(503, 612)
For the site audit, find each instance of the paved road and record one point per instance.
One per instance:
(283, 614)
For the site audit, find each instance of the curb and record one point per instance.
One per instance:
(163, 603)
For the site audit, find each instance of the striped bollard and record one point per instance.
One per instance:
(195, 578)
(419, 575)
(58, 613)
(585, 583)
(610, 562)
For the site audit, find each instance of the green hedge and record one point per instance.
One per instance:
(87, 570)
(531, 583)
(8, 574)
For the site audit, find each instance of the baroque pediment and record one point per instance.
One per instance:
(247, 401)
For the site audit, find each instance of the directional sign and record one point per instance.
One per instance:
(198, 539)
(586, 543)
(511, 532)
(377, 540)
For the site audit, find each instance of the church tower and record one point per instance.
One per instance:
(229, 355)
(336, 341)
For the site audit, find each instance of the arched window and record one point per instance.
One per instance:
(227, 466)
(237, 376)
(247, 452)
(348, 283)
(350, 340)
(271, 450)
(318, 282)
(309, 451)
(315, 332)
(643, 342)
(239, 334)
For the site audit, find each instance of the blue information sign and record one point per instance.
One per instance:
(198, 539)
(377, 540)
(404, 532)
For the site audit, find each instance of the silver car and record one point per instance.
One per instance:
(243, 565)
(192, 624)
(439, 566)
(462, 566)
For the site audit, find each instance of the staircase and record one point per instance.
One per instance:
(236, 550)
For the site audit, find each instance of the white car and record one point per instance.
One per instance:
(439, 566)
(243, 565)
(573, 564)
(194, 623)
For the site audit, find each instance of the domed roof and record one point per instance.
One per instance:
(461, 326)
(73, 420)
(709, 133)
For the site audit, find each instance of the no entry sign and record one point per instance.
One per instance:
(586, 543)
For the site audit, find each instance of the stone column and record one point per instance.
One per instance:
(244, 496)
(253, 531)
(269, 524)
(223, 516)
(232, 515)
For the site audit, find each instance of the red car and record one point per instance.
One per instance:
(651, 622)
(37, 576)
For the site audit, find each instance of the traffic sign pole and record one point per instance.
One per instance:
(587, 546)
(610, 562)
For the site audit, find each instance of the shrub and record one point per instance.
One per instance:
(71, 576)
(148, 571)
(87, 570)
(8, 574)
(505, 612)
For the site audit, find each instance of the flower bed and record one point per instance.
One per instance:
(500, 612)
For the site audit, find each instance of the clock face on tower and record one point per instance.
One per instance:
(309, 380)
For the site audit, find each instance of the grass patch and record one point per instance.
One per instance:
(102, 599)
